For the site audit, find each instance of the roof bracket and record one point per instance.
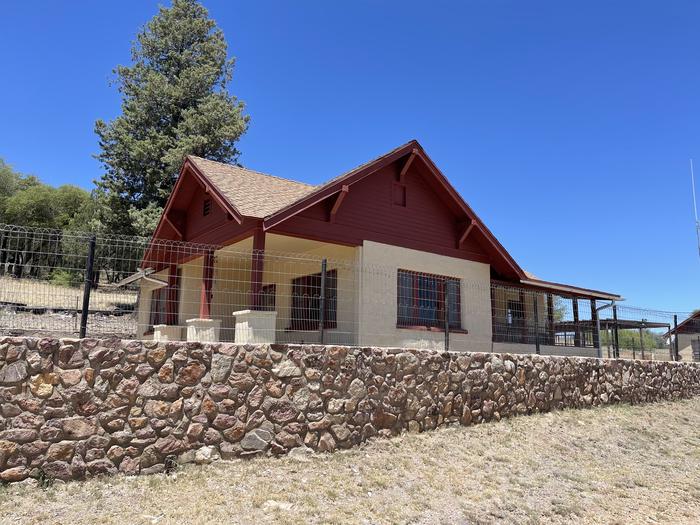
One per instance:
(407, 164)
(467, 230)
(338, 202)
(174, 226)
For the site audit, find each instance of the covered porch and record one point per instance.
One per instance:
(265, 288)
(548, 318)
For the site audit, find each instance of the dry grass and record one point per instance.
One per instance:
(610, 465)
(45, 294)
(63, 303)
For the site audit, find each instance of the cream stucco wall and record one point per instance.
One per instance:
(378, 307)
(143, 313)
(685, 345)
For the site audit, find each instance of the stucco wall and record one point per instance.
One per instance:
(76, 408)
(685, 345)
(378, 298)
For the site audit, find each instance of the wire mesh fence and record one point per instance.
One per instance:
(63, 283)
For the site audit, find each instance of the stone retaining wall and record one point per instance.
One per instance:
(76, 408)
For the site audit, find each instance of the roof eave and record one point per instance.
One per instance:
(574, 290)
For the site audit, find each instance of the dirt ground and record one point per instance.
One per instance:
(609, 465)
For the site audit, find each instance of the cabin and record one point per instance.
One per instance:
(387, 254)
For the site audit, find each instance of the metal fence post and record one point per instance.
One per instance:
(616, 340)
(322, 300)
(537, 324)
(446, 315)
(675, 337)
(88, 285)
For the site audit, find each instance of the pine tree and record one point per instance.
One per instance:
(175, 102)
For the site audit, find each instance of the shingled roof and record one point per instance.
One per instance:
(252, 193)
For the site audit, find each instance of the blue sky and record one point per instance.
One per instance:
(566, 125)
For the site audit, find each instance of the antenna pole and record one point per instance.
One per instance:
(695, 205)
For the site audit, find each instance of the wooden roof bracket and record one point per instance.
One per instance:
(339, 201)
(174, 226)
(407, 164)
(465, 233)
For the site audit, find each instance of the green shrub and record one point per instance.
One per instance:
(65, 278)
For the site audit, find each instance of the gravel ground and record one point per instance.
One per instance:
(617, 464)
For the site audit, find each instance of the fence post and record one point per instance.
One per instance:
(616, 341)
(2, 252)
(537, 323)
(446, 315)
(88, 285)
(675, 337)
(322, 300)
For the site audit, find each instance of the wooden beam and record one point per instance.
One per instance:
(207, 282)
(466, 232)
(407, 165)
(172, 304)
(174, 226)
(257, 267)
(339, 201)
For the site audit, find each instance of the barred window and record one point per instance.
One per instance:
(421, 300)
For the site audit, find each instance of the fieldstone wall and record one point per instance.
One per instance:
(76, 408)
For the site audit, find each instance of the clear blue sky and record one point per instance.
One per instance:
(566, 125)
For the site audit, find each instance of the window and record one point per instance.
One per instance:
(158, 300)
(306, 300)
(421, 300)
(206, 207)
(267, 297)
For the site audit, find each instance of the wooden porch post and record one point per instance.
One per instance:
(577, 330)
(523, 328)
(594, 319)
(172, 296)
(550, 319)
(257, 266)
(207, 281)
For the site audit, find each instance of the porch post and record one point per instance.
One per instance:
(577, 330)
(257, 266)
(523, 328)
(207, 281)
(172, 296)
(594, 320)
(550, 319)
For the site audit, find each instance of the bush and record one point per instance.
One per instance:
(65, 278)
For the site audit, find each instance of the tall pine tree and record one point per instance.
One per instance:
(175, 102)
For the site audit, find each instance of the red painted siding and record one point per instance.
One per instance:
(428, 222)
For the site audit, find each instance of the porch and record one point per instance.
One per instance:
(278, 290)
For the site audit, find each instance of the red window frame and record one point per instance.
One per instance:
(420, 300)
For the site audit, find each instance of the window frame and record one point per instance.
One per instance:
(420, 298)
